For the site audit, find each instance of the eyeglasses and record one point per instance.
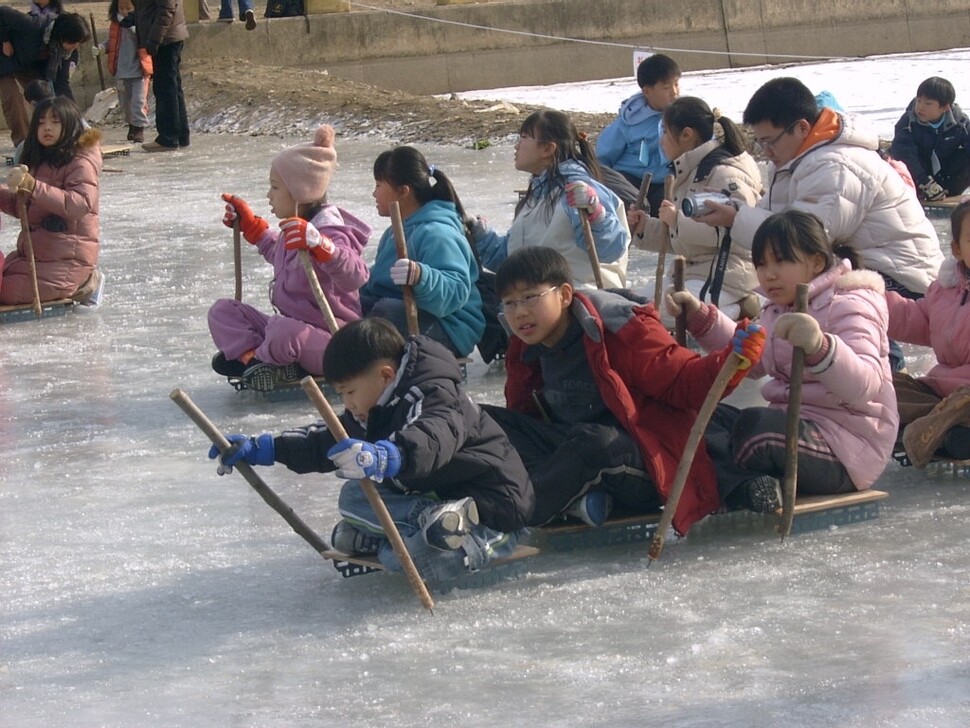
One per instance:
(528, 302)
(765, 144)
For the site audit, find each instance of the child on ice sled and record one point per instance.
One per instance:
(450, 479)
(848, 411)
(265, 349)
(935, 409)
(601, 399)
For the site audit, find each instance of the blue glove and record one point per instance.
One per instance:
(356, 459)
(254, 450)
(749, 344)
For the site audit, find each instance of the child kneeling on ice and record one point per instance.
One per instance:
(264, 349)
(451, 481)
(601, 399)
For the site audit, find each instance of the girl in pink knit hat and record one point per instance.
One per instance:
(258, 350)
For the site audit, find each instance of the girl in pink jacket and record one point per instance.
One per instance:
(848, 413)
(60, 175)
(935, 409)
(262, 350)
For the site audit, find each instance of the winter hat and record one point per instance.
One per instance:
(306, 169)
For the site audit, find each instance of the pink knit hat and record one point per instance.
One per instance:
(306, 169)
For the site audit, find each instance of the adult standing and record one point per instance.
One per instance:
(162, 32)
(35, 47)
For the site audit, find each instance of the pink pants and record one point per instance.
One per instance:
(237, 327)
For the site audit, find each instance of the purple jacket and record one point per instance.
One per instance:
(849, 395)
(339, 277)
(940, 319)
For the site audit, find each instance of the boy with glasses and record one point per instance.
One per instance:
(601, 400)
(824, 162)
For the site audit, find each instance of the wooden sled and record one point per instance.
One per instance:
(116, 150)
(25, 311)
(941, 208)
(510, 567)
(812, 513)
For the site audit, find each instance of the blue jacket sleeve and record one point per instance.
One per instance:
(493, 248)
(611, 143)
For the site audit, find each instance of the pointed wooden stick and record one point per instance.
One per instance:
(594, 258)
(237, 257)
(789, 486)
(322, 302)
(728, 369)
(642, 203)
(29, 246)
(410, 306)
(94, 41)
(664, 244)
(336, 428)
(246, 470)
(680, 324)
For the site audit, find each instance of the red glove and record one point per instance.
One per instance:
(298, 234)
(749, 344)
(250, 226)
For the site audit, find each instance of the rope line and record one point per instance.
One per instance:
(609, 44)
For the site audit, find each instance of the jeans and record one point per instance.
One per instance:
(226, 10)
(171, 119)
(434, 565)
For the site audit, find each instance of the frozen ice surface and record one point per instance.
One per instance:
(137, 588)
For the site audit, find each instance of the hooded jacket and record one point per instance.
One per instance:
(450, 447)
(652, 385)
(547, 220)
(705, 168)
(915, 144)
(631, 142)
(62, 213)
(340, 277)
(446, 289)
(849, 396)
(940, 319)
(839, 177)
(33, 51)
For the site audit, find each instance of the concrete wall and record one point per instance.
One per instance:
(428, 57)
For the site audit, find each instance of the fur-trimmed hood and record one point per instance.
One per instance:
(855, 279)
(952, 274)
(89, 138)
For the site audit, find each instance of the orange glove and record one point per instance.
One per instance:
(251, 226)
(749, 344)
(298, 234)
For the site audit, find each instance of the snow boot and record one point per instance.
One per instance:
(923, 436)
(761, 495)
(137, 134)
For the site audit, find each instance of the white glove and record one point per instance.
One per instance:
(801, 330)
(582, 195)
(96, 51)
(405, 272)
(678, 302)
(932, 190)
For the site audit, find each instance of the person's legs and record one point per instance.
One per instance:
(287, 340)
(236, 327)
(392, 309)
(955, 175)
(758, 444)
(137, 90)
(16, 111)
(182, 114)
(225, 10)
(166, 87)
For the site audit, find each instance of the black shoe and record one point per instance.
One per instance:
(250, 18)
(261, 376)
(351, 540)
(761, 495)
(227, 367)
(131, 133)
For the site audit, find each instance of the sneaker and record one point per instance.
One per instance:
(291, 372)
(261, 376)
(229, 19)
(761, 495)
(351, 540)
(250, 19)
(593, 508)
(227, 367)
(446, 525)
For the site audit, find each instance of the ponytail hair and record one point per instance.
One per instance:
(407, 166)
(690, 112)
(549, 125)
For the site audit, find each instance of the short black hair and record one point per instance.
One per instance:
(360, 345)
(534, 265)
(789, 235)
(782, 101)
(957, 218)
(38, 90)
(70, 28)
(657, 68)
(937, 89)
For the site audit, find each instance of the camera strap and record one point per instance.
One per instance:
(715, 278)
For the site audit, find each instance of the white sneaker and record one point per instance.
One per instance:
(92, 301)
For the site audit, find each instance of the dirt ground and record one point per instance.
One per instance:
(242, 97)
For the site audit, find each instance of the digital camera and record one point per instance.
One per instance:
(695, 204)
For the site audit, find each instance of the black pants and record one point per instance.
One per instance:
(171, 119)
(567, 460)
(955, 174)
(758, 444)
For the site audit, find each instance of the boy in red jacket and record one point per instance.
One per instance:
(601, 399)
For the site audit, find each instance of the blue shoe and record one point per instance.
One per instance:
(593, 508)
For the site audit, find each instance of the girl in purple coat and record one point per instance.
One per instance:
(263, 350)
(935, 409)
(848, 413)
